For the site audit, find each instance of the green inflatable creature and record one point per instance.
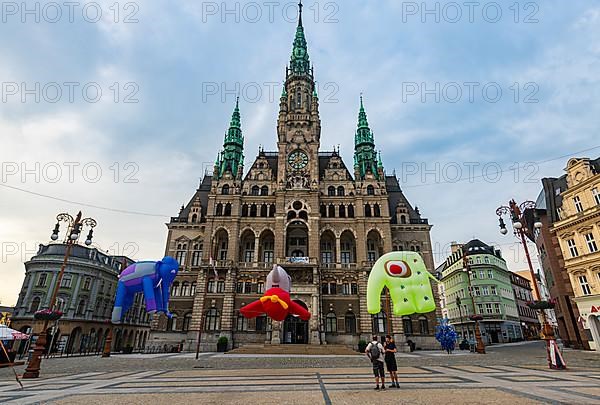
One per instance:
(407, 279)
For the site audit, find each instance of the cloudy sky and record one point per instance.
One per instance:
(118, 108)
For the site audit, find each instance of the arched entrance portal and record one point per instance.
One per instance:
(295, 330)
(594, 323)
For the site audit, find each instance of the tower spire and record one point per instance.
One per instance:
(365, 156)
(300, 5)
(232, 156)
(300, 63)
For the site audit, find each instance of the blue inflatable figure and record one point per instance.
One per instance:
(446, 335)
(154, 279)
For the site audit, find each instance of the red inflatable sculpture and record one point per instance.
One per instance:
(276, 301)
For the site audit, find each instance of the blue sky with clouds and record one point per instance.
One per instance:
(177, 51)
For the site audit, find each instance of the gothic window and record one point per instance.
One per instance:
(370, 190)
(249, 251)
(255, 191)
(380, 323)
(264, 191)
(227, 210)
(291, 215)
(331, 191)
(242, 323)
(332, 211)
(303, 215)
(175, 289)
(35, 304)
(329, 288)
(326, 252)
(193, 290)
(210, 286)
(377, 210)
(260, 288)
(225, 190)
(194, 218)
(340, 191)
(185, 289)
(367, 210)
(424, 326)
(371, 251)
(219, 210)
(403, 219)
(263, 210)
(253, 210)
(351, 211)
(331, 323)
(350, 322)
(298, 98)
(187, 322)
(213, 320)
(245, 210)
(197, 254)
(220, 286)
(261, 324)
(342, 211)
(180, 254)
(323, 211)
(272, 211)
(407, 325)
(172, 324)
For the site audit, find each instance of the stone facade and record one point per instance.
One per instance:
(86, 297)
(530, 324)
(301, 208)
(578, 232)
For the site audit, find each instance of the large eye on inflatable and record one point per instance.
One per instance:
(398, 268)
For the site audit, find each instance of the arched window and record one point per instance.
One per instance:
(380, 323)
(423, 326)
(370, 190)
(264, 191)
(219, 210)
(367, 211)
(331, 323)
(185, 289)
(407, 325)
(194, 218)
(272, 211)
(213, 320)
(342, 211)
(175, 289)
(255, 191)
(340, 191)
(350, 322)
(253, 210)
(403, 219)
(351, 211)
(331, 211)
(197, 254)
(263, 210)
(181, 254)
(245, 210)
(331, 191)
(303, 215)
(35, 304)
(225, 190)
(323, 211)
(242, 323)
(193, 289)
(172, 324)
(227, 210)
(187, 322)
(377, 211)
(81, 307)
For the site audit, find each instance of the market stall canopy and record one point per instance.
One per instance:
(7, 333)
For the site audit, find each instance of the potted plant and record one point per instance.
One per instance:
(47, 315)
(541, 305)
(362, 346)
(476, 317)
(222, 344)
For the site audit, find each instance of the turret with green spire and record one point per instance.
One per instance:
(232, 156)
(300, 63)
(366, 159)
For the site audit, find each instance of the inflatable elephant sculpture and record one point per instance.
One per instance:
(154, 279)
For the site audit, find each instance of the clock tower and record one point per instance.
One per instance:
(299, 125)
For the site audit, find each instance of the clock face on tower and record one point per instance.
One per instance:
(298, 160)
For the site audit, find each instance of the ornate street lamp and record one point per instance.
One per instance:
(517, 216)
(74, 227)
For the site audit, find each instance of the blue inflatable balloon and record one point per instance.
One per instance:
(153, 279)
(446, 335)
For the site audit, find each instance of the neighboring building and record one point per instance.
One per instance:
(491, 290)
(303, 209)
(551, 260)
(6, 315)
(578, 232)
(545, 295)
(86, 297)
(530, 325)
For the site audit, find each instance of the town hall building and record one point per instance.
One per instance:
(304, 209)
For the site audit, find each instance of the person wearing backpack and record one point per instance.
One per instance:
(375, 352)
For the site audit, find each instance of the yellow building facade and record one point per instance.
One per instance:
(578, 231)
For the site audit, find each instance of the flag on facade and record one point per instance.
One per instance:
(214, 267)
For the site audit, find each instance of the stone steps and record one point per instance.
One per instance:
(311, 350)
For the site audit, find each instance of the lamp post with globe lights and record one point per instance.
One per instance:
(519, 223)
(74, 229)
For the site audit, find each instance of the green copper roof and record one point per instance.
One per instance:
(366, 159)
(232, 156)
(300, 63)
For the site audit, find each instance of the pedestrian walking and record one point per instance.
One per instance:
(375, 352)
(390, 360)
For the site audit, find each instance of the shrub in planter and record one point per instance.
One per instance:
(362, 346)
(222, 344)
(47, 315)
(476, 317)
(539, 305)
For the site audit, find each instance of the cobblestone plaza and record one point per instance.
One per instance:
(508, 373)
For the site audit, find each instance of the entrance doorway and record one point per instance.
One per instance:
(594, 323)
(295, 330)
